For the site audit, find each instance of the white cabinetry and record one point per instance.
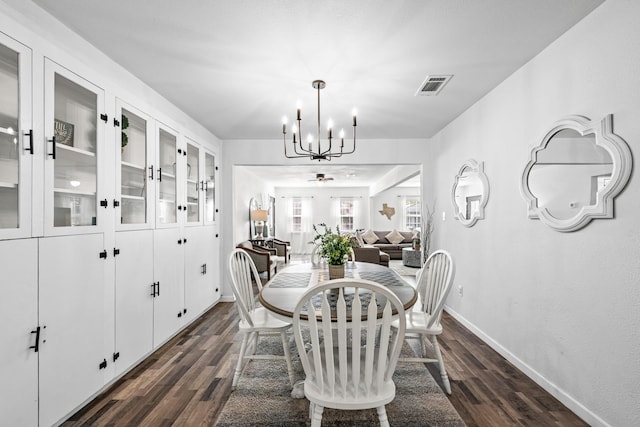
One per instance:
(18, 318)
(16, 139)
(74, 123)
(72, 318)
(77, 186)
(134, 297)
(201, 270)
(135, 189)
(169, 278)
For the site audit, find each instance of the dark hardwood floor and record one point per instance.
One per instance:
(188, 380)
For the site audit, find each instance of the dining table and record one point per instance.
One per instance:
(281, 294)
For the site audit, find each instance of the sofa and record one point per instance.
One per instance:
(371, 255)
(394, 250)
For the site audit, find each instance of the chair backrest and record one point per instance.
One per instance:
(359, 309)
(435, 280)
(315, 255)
(243, 275)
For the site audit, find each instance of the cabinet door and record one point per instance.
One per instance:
(134, 300)
(194, 184)
(210, 207)
(135, 172)
(72, 320)
(199, 284)
(166, 173)
(16, 139)
(18, 318)
(74, 166)
(168, 304)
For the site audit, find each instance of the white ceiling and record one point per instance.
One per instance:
(238, 66)
(344, 175)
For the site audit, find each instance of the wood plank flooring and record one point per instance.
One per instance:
(188, 380)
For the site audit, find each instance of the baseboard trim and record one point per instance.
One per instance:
(578, 408)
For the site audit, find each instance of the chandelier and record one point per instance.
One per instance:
(316, 149)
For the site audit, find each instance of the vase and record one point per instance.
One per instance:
(336, 271)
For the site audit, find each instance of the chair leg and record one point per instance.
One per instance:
(316, 420)
(443, 371)
(239, 365)
(382, 416)
(287, 355)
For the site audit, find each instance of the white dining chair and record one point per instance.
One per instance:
(346, 367)
(255, 321)
(434, 282)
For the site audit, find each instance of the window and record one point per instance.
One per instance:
(296, 216)
(346, 214)
(412, 214)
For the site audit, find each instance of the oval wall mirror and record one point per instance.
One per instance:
(575, 173)
(470, 193)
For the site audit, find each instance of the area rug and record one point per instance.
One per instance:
(263, 398)
(403, 270)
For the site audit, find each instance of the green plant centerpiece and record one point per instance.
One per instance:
(334, 247)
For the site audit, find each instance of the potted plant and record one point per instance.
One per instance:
(334, 247)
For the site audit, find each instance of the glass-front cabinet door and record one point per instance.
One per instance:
(74, 128)
(136, 173)
(193, 183)
(16, 139)
(209, 184)
(167, 200)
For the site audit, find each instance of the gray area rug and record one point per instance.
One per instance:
(404, 270)
(263, 398)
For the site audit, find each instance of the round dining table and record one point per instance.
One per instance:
(281, 294)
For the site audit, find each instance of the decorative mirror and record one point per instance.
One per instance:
(470, 193)
(575, 173)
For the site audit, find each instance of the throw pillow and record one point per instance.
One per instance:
(359, 239)
(395, 237)
(370, 237)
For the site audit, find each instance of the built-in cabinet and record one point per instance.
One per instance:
(74, 121)
(16, 139)
(108, 236)
(72, 313)
(19, 333)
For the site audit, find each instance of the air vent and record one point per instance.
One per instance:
(432, 85)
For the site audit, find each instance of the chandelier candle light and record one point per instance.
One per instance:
(315, 148)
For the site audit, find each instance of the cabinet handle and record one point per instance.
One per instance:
(116, 203)
(104, 203)
(179, 241)
(103, 254)
(179, 150)
(103, 364)
(116, 356)
(53, 147)
(159, 174)
(36, 346)
(116, 251)
(153, 290)
(158, 288)
(30, 148)
(151, 172)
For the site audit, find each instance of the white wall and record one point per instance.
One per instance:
(565, 307)
(323, 202)
(393, 197)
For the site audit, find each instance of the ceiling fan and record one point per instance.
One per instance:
(321, 178)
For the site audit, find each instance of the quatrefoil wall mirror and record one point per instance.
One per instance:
(470, 193)
(575, 173)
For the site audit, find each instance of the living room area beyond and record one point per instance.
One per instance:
(382, 199)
